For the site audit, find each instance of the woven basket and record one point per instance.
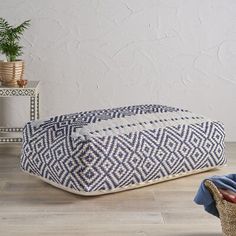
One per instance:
(10, 72)
(227, 210)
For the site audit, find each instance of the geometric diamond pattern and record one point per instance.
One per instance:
(109, 162)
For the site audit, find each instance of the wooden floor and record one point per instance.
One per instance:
(29, 206)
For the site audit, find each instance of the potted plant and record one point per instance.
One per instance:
(12, 69)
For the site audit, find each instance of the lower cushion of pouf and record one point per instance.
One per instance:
(105, 151)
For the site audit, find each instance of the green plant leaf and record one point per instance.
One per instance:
(4, 25)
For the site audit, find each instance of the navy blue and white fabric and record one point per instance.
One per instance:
(103, 151)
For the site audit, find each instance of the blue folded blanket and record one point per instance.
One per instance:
(204, 197)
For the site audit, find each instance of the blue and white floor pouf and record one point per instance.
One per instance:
(105, 151)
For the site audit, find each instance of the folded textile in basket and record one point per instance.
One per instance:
(204, 197)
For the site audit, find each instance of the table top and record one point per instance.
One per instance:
(30, 85)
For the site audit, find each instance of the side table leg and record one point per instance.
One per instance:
(37, 98)
(32, 108)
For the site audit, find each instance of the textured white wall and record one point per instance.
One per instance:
(98, 54)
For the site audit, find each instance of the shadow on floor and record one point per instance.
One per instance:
(201, 234)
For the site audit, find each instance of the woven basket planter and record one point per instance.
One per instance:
(10, 72)
(227, 210)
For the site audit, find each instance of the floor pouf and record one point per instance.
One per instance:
(105, 151)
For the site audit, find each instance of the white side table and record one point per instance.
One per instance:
(31, 90)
